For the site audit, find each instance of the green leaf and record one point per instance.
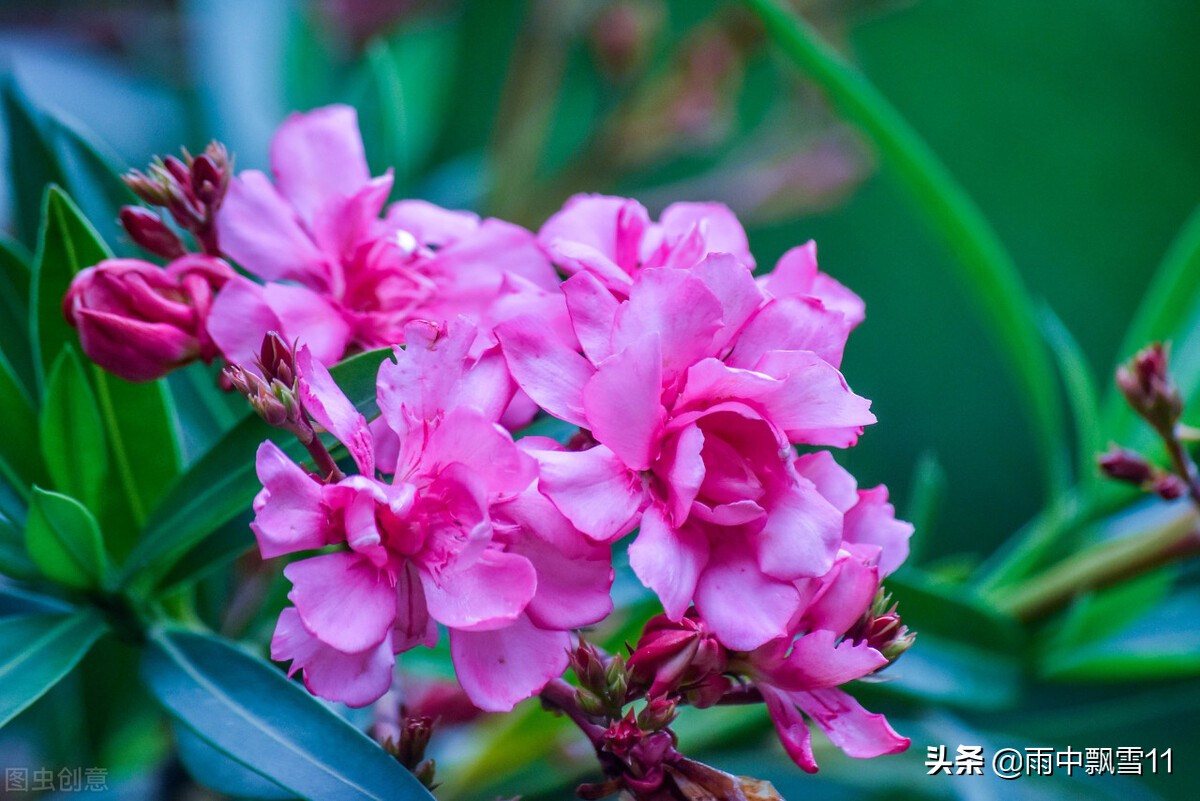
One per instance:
(984, 266)
(139, 423)
(64, 541)
(14, 558)
(220, 547)
(1162, 645)
(223, 482)
(72, 432)
(32, 164)
(15, 271)
(91, 172)
(1081, 392)
(15, 601)
(20, 457)
(36, 651)
(67, 243)
(925, 499)
(246, 709)
(220, 773)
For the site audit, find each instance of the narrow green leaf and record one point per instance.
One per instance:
(15, 602)
(1081, 392)
(925, 500)
(67, 243)
(64, 541)
(91, 172)
(72, 432)
(140, 425)
(984, 266)
(246, 709)
(220, 547)
(15, 271)
(223, 482)
(14, 558)
(220, 773)
(20, 457)
(32, 164)
(36, 651)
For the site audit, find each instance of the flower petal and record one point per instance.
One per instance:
(317, 156)
(289, 516)
(593, 489)
(354, 679)
(343, 599)
(791, 727)
(259, 230)
(488, 594)
(743, 606)
(669, 560)
(623, 402)
(873, 521)
(329, 406)
(544, 368)
(500, 668)
(851, 728)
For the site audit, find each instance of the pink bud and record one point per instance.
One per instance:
(673, 656)
(150, 233)
(139, 320)
(1125, 465)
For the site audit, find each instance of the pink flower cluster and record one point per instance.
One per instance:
(691, 382)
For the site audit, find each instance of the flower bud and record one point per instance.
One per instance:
(657, 714)
(141, 321)
(671, 655)
(1120, 464)
(882, 629)
(1147, 386)
(589, 667)
(150, 233)
(1169, 486)
(277, 359)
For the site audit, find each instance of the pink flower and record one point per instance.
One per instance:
(613, 238)
(141, 321)
(458, 536)
(694, 404)
(799, 676)
(340, 278)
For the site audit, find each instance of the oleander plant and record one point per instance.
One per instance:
(484, 427)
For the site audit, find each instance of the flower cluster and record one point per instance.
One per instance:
(690, 381)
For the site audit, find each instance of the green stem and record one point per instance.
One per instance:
(981, 259)
(1103, 565)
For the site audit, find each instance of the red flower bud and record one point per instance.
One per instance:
(1147, 386)
(141, 321)
(150, 233)
(1125, 465)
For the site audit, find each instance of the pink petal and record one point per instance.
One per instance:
(427, 374)
(413, 624)
(593, 311)
(343, 223)
(545, 369)
(239, 319)
(873, 521)
(343, 599)
(818, 660)
(309, 317)
(484, 448)
(732, 283)
(574, 573)
(477, 262)
(623, 405)
(719, 226)
(743, 606)
(839, 299)
(593, 489)
(791, 727)
(289, 516)
(133, 349)
(794, 273)
(850, 727)
(668, 560)
(680, 309)
(792, 324)
(801, 535)
(318, 156)
(498, 669)
(833, 481)
(489, 594)
(431, 225)
(260, 231)
(684, 468)
(324, 400)
(591, 220)
(843, 595)
(354, 679)
(575, 258)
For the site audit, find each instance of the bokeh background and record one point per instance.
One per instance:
(1074, 125)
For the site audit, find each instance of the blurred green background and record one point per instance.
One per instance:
(1074, 125)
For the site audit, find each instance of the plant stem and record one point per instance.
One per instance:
(561, 696)
(984, 265)
(1103, 565)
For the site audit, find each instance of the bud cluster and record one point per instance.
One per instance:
(191, 189)
(882, 629)
(409, 748)
(1149, 389)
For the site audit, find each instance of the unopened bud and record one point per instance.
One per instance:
(589, 668)
(617, 680)
(415, 733)
(1169, 486)
(277, 359)
(882, 629)
(1125, 465)
(150, 233)
(657, 714)
(591, 703)
(1146, 383)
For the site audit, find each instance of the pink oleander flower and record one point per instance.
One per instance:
(694, 387)
(141, 321)
(340, 278)
(799, 676)
(458, 535)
